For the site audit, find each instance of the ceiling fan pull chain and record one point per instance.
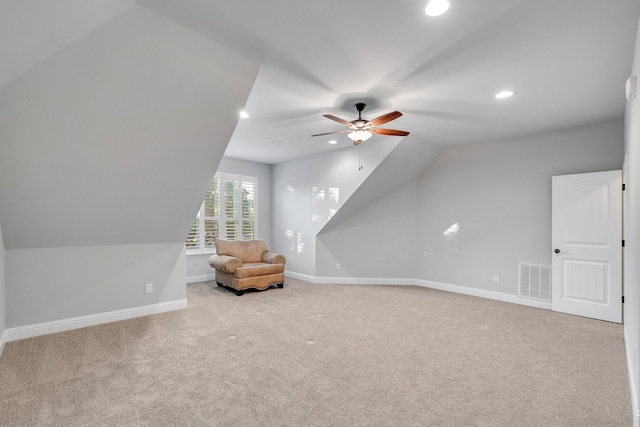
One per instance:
(360, 166)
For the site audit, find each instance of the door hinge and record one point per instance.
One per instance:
(623, 299)
(623, 243)
(624, 187)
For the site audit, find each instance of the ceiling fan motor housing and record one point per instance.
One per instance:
(360, 123)
(359, 130)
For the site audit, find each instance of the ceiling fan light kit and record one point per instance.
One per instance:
(359, 136)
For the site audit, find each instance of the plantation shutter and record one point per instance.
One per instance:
(193, 239)
(229, 211)
(248, 210)
(212, 199)
(212, 213)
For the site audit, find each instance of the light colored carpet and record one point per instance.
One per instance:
(323, 355)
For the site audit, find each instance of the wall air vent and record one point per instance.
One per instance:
(535, 281)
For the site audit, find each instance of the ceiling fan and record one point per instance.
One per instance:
(359, 130)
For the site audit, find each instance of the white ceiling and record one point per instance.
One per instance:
(568, 60)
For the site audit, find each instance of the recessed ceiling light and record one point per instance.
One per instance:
(505, 94)
(437, 7)
(333, 142)
(244, 114)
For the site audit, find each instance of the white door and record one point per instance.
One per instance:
(587, 245)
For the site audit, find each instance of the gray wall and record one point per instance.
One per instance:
(499, 195)
(632, 238)
(302, 199)
(197, 265)
(408, 160)
(51, 284)
(378, 242)
(107, 152)
(197, 268)
(494, 199)
(3, 304)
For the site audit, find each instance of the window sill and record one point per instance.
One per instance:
(200, 253)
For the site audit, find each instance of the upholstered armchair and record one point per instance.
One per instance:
(247, 264)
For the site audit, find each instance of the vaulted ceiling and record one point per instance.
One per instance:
(108, 106)
(568, 61)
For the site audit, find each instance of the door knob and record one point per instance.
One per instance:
(557, 251)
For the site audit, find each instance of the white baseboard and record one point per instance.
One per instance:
(349, 280)
(3, 341)
(299, 276)
(482, 293)
(424, 283)
(29, 331)
(632, 383)
(201, 278)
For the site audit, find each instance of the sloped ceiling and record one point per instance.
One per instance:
(109, 110)
(568, 61)
(32, 30)
(113, 139)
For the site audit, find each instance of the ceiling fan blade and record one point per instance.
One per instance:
(384, 118)
(391, 132)
(331, 133)
(337, 119)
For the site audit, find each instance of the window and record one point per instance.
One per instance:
(229, 211)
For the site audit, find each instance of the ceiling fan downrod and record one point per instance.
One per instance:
(360, 123)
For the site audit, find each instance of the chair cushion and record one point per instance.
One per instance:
(258, 269)
(244, 250)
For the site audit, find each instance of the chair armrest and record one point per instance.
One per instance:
(273, 258)
(225, 263)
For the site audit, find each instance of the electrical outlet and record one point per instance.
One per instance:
(149, 288)
(496, 278)
(337, 266)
